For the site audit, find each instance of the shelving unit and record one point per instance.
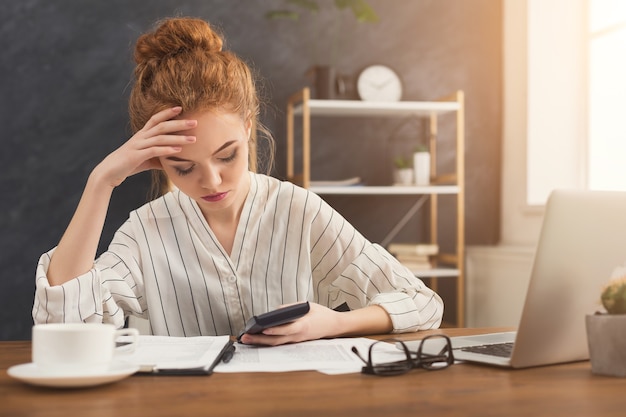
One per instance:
(453, 183)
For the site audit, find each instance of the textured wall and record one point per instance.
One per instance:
(64, 77)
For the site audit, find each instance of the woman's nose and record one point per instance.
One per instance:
(210, 178)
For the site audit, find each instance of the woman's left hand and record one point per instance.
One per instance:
(318, 323)
(322, 322)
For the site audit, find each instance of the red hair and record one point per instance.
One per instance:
(182, 63)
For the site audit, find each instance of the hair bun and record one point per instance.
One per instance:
(175, 36)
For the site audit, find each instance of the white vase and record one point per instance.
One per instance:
(421, 166)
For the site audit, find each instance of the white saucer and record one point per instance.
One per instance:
(30, 374)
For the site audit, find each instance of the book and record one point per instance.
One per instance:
(413, 248)
(197, 355)
(415, 256)
(337, 183)
(417, 266)
(412, 258)
(414, 262)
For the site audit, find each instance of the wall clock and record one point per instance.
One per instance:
(379, 83)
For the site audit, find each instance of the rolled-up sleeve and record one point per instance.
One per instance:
(107, 293)
(412, 310)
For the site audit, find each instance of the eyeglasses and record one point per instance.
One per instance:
(377, 360)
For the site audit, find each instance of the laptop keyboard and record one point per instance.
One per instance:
(497, 349)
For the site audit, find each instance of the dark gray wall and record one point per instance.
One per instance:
(64, 78)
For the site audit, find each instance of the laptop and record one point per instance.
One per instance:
(582, 240)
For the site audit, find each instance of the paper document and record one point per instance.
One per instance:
(332, 356)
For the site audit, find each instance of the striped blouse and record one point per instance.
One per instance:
(165, 264)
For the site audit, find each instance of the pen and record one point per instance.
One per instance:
(228, 355)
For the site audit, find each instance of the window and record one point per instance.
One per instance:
(607, 94)
(555, 97)
(576, 85)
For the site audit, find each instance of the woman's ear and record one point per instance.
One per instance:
(248, 126)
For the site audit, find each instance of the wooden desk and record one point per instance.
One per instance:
(462, 390)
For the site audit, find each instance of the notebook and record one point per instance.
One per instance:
(582, 240)
(168, 355)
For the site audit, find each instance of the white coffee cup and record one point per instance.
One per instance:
(78, 348)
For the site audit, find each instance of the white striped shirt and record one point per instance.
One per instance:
(165, 264)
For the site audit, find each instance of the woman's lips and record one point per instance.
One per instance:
(214, 197)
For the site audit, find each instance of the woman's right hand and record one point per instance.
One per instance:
(159, 137)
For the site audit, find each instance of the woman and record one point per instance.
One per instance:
(222, 243)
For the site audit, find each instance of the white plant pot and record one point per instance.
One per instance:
(606, 337)
(421, 166)
(403, 176)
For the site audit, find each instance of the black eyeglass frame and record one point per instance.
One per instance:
(425, 361)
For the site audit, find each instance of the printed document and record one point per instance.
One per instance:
(205, 354)
(330, 356)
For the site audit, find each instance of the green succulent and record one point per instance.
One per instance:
(401, 162)
(614, 296)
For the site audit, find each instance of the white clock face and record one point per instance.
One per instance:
(379, 83)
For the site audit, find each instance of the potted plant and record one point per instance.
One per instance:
(606, 331)
(326, 82)
(403, 172)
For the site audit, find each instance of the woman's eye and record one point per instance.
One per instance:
(185, 171)
(230, 157)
